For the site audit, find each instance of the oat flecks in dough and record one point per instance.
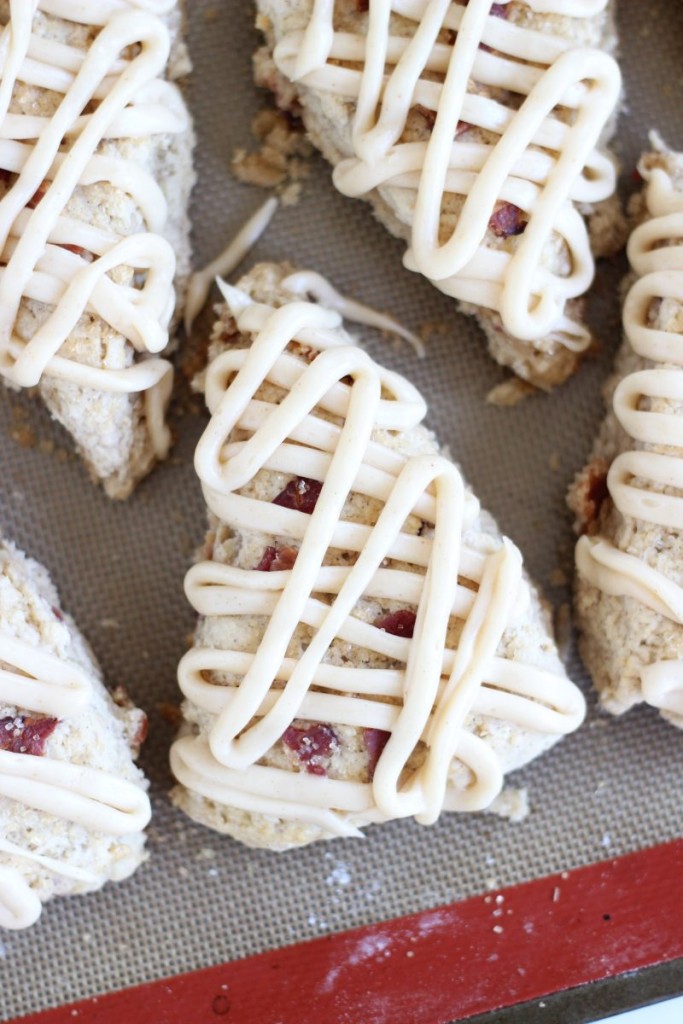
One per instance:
(304, 521)
(61, 729)
(482, 227)
(627, 499)
(69, 322)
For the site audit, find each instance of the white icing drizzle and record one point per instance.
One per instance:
(224, 264)
(328, 429)
(543, 161)
(125, 97)
(638, 477)
(40, 682)
(306, 283)
(311, 285)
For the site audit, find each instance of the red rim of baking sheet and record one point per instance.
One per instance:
(492, 951)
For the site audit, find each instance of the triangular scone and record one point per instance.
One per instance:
(95, 175)
(368, 647)
(629, 596)
(72, 803)
(474, 129)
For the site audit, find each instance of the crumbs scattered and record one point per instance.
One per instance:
(512, 804)
(558, 578)
(171, 714)
(432, 328)
(510, 392)
(280, 162)
(23, 434)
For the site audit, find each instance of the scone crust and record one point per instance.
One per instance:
(528, 640)
(106, 735)
(328, 119)
(109, 429)
(619, 635)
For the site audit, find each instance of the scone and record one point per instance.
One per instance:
(629, 596)
(368, 646)
(95, 176)
(475, 130)
(72, 803)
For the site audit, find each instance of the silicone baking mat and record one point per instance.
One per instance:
(615, 787)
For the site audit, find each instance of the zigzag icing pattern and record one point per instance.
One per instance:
(655, 252)
(543, 161)
(97, 800)
(325, 428)
(53, 258)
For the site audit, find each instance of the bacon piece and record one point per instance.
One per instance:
(78, 250)
(21, 735)
(375, 741)
(588, 493)
(507, 219)
(312, 746)
(37, 196)
(276, 559)
(171, 713)
(300, 494)
(430, 118)
(497, 11)
(139, 732)
(400, 623)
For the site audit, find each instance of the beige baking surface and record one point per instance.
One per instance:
(615, 786)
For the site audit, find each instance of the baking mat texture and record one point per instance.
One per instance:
(615, 786)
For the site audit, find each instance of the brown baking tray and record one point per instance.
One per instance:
(613, 788)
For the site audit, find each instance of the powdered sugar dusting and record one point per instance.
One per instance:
(369, 947)
(339, 876)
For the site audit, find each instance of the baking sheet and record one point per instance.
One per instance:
(615, 786)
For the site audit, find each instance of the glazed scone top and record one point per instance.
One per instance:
(51, 256)
(645, 482)
(542, 104)
(335, 424)
(44, 672)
